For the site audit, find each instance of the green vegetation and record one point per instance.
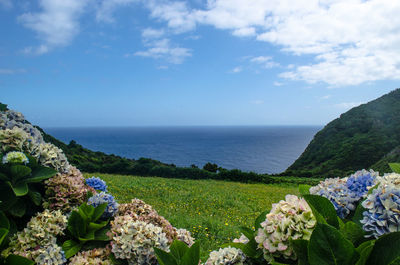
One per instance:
(211, 210)
(363, 137)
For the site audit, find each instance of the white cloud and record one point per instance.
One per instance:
(278, 83)
(106, 8)
(162, 49)
(150, 33)
(348, 105)
(352, 41)
(56, 25)
(7, 71)
(6, 4)
(236, 70)
(265, 61)
(244, 32)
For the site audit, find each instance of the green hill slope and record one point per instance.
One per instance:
(360, 138)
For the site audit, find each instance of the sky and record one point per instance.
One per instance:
(216, 62)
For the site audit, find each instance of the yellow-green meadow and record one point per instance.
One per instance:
(211, 210)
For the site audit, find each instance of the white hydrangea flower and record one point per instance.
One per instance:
(15, 157)
(227, 256)
(185, 236)
(242, 239)
(290, 219)
(135, 240)
(51, 255)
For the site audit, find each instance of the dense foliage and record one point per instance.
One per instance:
(360, 138)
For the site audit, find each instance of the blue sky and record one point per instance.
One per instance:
(216, 62)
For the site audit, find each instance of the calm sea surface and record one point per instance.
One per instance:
(269, 149)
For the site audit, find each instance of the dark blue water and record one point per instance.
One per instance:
(259, 149)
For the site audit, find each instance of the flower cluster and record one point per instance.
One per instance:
(102, 197)
(185, 236)
(242, 239)
(64, 191)
(51, 255)
(11, 119)
(290, 219)
(50, 155)
(14, 139)
(382, 206)
(97, 256)
(140, 211)
(38, 236)
(227, 256)
(15, 158)
(345, 193)
(97, 184)
(135, 240)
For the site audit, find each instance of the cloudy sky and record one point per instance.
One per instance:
(197, 62)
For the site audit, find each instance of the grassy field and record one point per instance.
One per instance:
(212, 210)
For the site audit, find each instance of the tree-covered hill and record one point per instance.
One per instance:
(364, 137)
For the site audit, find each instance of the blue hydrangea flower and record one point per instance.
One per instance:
(97, 184)
(361, 181)
(51, 255)
(382, 213)
(102, 197)
(345, 193)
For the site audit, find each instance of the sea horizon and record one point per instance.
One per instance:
(258, 148)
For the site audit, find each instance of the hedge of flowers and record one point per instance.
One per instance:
(50, 214)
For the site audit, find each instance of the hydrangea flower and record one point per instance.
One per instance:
(382, 206)
(97, 184)
(185, 236)
(102, 197)
(134, 241)
(97, 256)
(65, 191)
(13, 139)
(290, 219)
(140, 211)
(227, 256)
(51, 255)
(242, 239)
(15, 157)
(40, 233)
(345, 193)
(50, 155)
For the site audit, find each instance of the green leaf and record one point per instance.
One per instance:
(18, 209)
(98, 211)
(3, 234)
(101, 235)
(19, 189)
(395, 167)
(304, 189)
(164, 258)
(4, 177)
(88, 237)
(261, 218)
(97, 226)
(4, 223)
(329, 247)
(247, 232)
(300, 248)
(19, 172)
(32, 161)
(178, 249)
(7, 197)
(192, 256)
(358, 214)
(364, 250)
(41, 173)
(36, 197)
(353, 232)
(86, 211)
(76, 225)
(71, 247)
(386, 250)
(18, 260)
(324, 207)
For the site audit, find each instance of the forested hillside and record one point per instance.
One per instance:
(366, 136)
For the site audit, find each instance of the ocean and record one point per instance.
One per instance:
(261, 149)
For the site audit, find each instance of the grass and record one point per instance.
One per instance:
(211, 210)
